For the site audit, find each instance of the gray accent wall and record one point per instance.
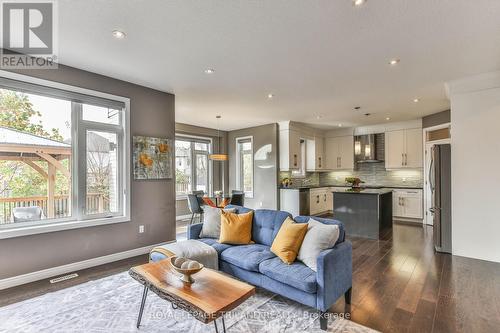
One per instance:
(265, 148)
(435, 119)
(153, 202)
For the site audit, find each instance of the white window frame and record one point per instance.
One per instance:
(200, 139)
(78, 220)
(239, 171)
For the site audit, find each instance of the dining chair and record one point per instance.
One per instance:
(237, 198)
(194, 207)
(199, 195)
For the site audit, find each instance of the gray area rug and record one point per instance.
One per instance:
(111, 304)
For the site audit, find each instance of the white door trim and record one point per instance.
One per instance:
(427, 146)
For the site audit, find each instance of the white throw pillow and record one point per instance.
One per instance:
(211, 221)
(319, 237)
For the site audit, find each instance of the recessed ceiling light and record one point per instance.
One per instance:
(416, 100)
(388, 118)
(358, 3)
(340, 125)
(209, 71)
(318, 117)
(394, 62)
(357, 107)
(270, 96)
(368, 114)
(118, 34)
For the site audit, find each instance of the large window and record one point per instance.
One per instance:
(244, 165)
(63, 157)
(192, 168)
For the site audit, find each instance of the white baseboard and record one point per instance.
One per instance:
(76, 266)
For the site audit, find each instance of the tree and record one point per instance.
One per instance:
(17, 178)
(16, 111)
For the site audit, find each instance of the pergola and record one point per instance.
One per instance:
(28, 148)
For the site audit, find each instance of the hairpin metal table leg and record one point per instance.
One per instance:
(215, 324)
(144, 295)
(223, 324)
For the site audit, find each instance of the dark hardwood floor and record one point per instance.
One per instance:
(399, 285)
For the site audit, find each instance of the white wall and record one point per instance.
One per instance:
(475, 123)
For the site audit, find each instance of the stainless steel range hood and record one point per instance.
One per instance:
(369, 148)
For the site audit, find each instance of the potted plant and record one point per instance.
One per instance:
(354, 182)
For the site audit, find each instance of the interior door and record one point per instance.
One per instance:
(394, 149)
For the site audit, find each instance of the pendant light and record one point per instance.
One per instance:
(219, 156)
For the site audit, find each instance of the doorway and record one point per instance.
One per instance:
(435, 135)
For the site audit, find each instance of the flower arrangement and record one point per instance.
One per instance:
(354, 181)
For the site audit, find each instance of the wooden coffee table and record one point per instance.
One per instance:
(208, 298)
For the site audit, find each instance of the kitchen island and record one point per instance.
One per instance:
(364, 212)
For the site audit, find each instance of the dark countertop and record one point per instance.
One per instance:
(372, 191)
(347, 186)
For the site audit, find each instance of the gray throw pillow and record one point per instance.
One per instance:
(319, 237)
(211, 221)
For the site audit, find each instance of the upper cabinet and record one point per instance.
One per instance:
(290, 156)
(403, 149)
(315, 154)
(339, 153)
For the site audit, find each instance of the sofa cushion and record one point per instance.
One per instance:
(287, 242)
(211, 221)
(216, 245)
(266, 224)
(319, 237)
(296, 275)
(235, 228)
(305, 219)
(247, 256)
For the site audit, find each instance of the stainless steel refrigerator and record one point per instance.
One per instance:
(440, 183)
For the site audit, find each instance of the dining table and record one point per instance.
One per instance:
(220, 201)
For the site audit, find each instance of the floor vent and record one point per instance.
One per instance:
(64, 278)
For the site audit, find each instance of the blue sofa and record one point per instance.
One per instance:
(257, 265)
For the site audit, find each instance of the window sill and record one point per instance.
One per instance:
(59, 226)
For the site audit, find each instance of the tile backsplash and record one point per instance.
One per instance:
(371, 173)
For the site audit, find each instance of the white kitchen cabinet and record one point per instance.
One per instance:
(414, 148)
(329, 200)
(319, 200)
(315, 152)
(407, 203)
(290, 156)
(403, 149)
(339, 153)
(315, 202)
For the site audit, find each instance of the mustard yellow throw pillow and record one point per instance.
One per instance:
(236, 228)
(287, 243)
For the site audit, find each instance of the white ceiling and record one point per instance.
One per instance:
(320, 57)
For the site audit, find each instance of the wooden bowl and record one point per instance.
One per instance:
(186, 273)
